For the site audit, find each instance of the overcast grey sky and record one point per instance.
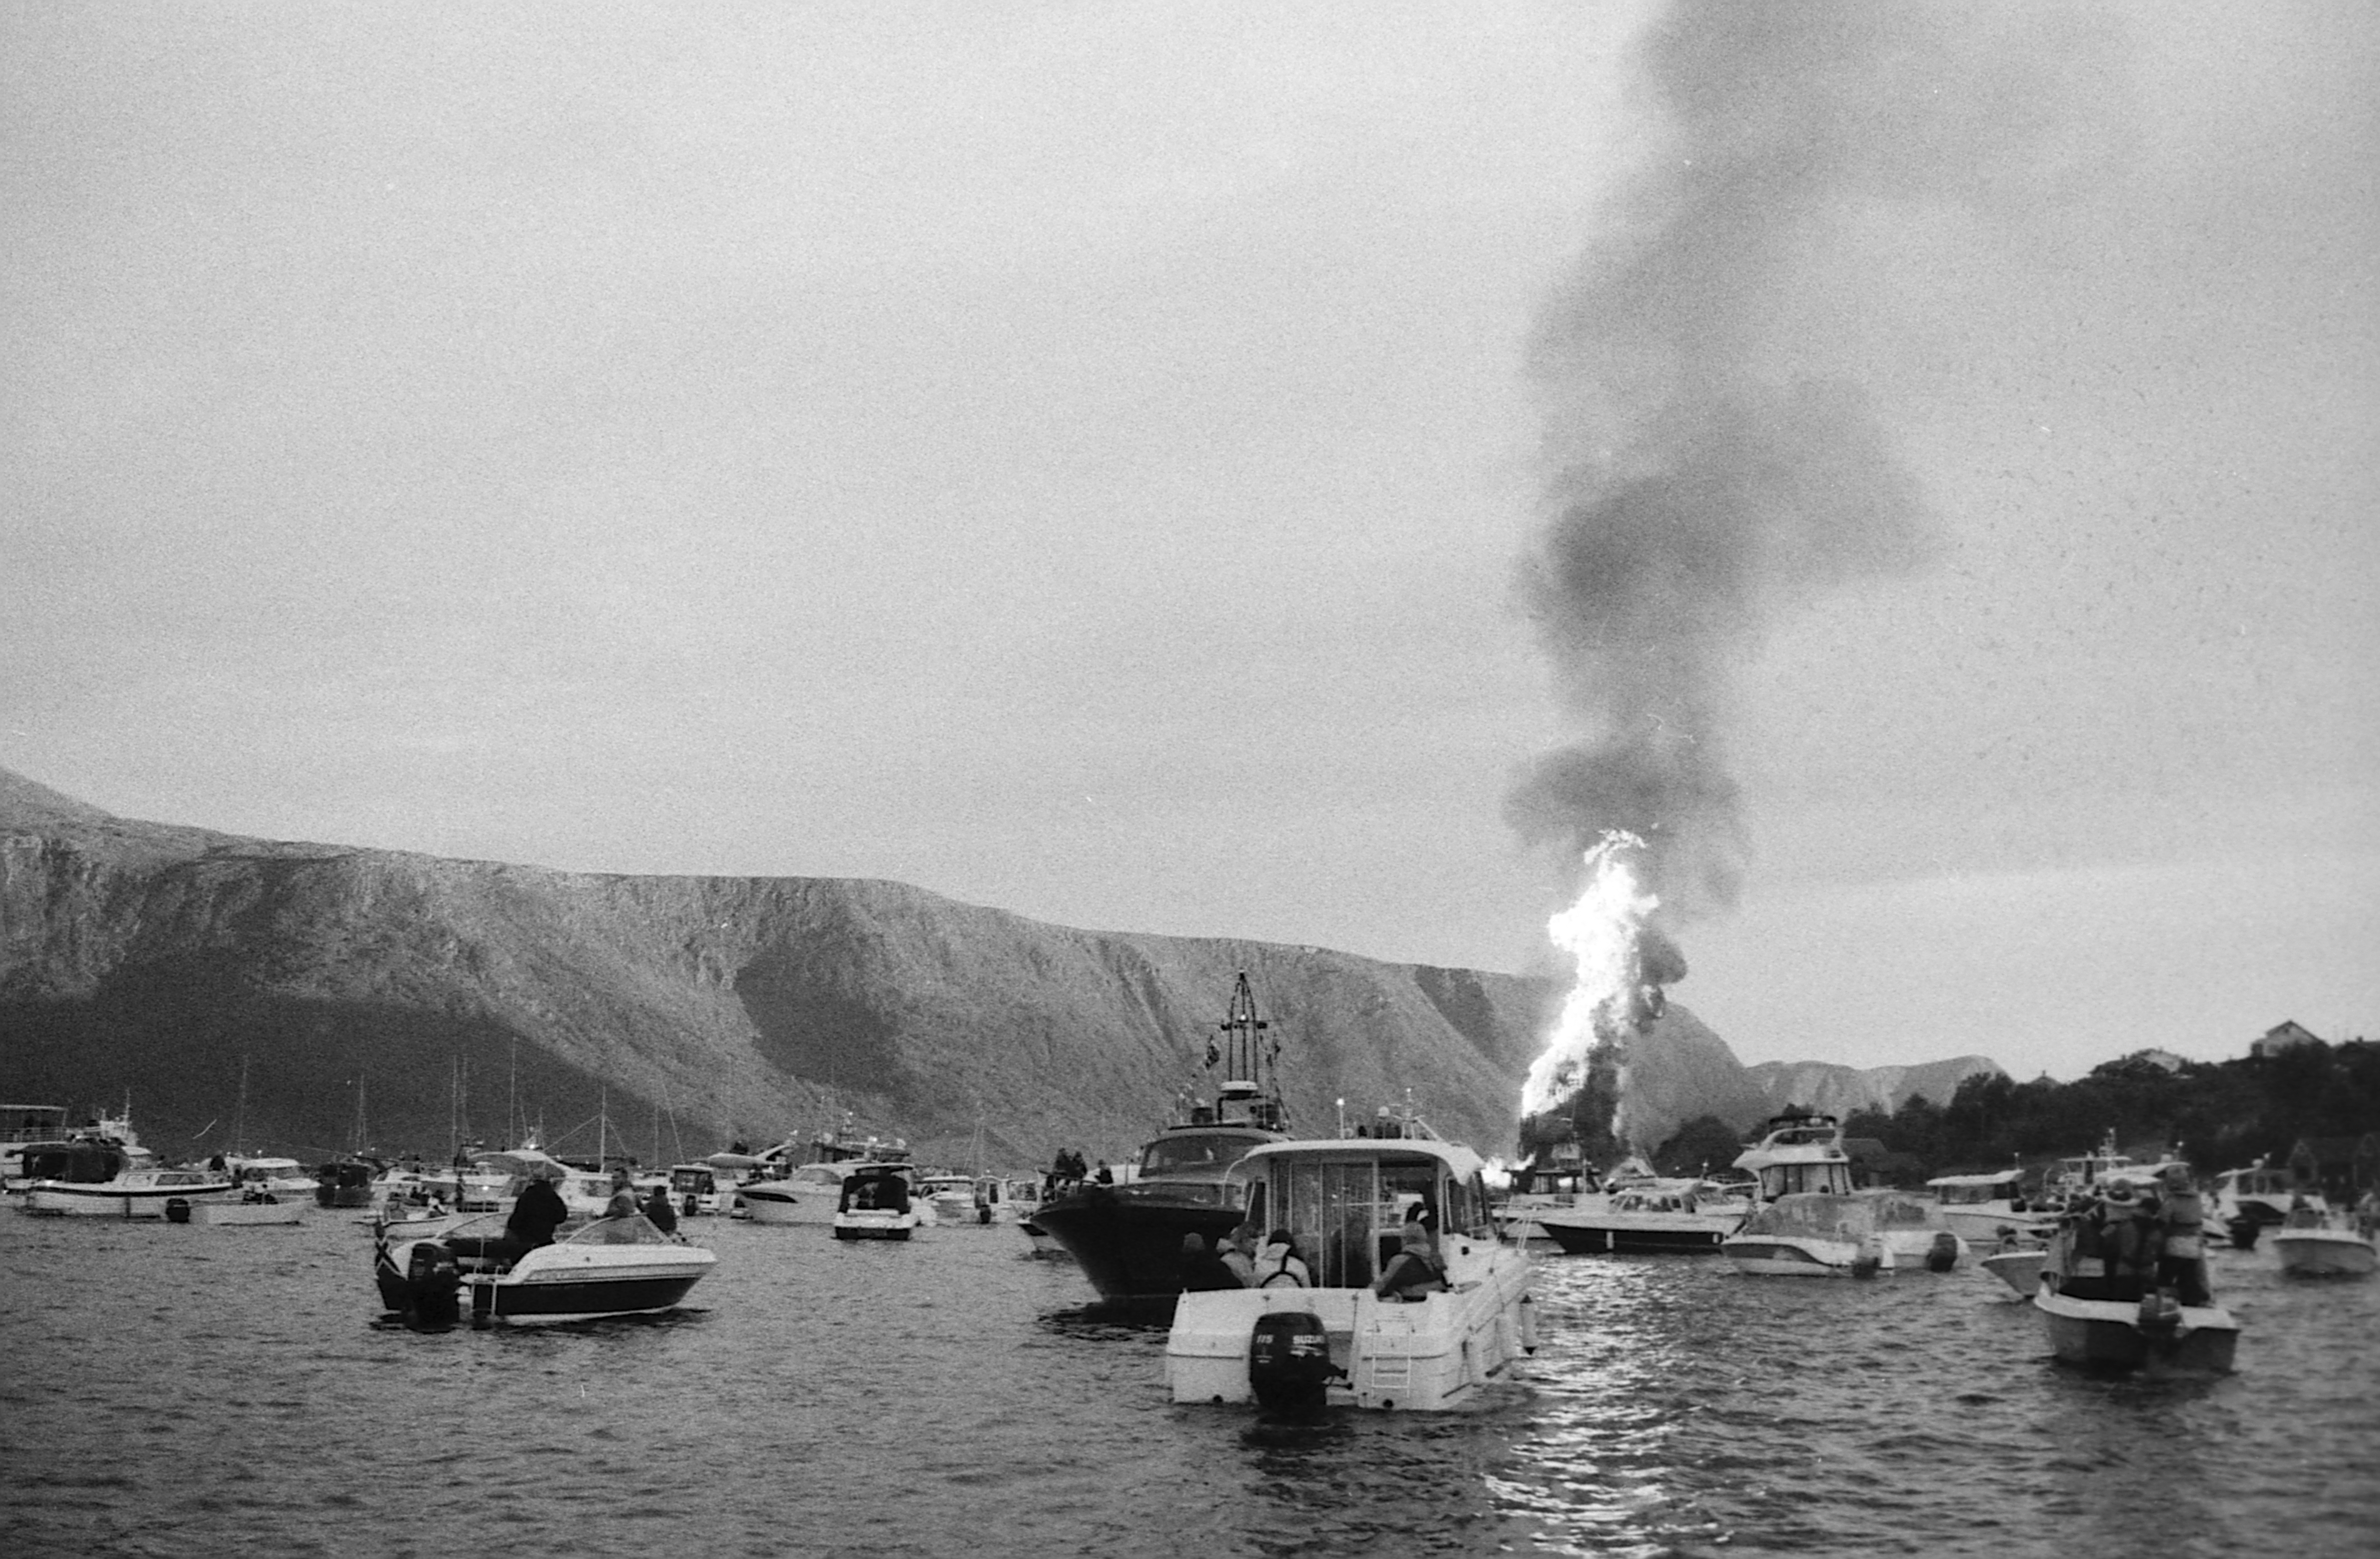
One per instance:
(1081, 460)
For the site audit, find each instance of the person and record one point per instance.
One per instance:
(1415, 1270)
(2121, 1242)
(1281, 1265)
(658, 1208)
(1239, 1254)
(2367, 1212)
(623, 1197)
(1106, 1176)
(2180, 1261)
(1202, 1270)
(537, 1212)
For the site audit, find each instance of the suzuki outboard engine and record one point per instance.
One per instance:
(433, 1280)
(1943, 1254)
(1289, 1362)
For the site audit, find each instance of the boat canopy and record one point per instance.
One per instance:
(1819, 1215)
(1344, 1200)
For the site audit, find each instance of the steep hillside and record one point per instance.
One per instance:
(1841, 1090)
(428, 995)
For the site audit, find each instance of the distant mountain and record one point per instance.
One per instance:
(429, 996)
(1844, 1091)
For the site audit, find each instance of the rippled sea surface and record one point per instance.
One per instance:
(186, 1390)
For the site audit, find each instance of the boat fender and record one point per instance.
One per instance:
(1528, 1308)
(178, 1208)
(1943, 1254)
(1289, 1360)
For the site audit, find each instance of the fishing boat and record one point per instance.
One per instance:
(1673, 1216)
(1127, 1236)
(2109, 1320)
(2313, 1243)
(433, 1274)
(1345, 1203)
(876, 1203)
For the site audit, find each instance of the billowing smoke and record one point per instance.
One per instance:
(1716, 467)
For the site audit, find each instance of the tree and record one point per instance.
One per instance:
(1703, 1142)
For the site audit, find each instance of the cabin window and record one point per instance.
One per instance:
(1328, 1207)
(1466, 1208)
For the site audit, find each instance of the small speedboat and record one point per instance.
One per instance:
(875, 1204)
(1827, 1234)
(2101, 1316)
(1344, 1203)
(432, 1275)
(1672, 1216)
(2313, 1245)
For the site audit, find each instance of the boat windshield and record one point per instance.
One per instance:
(1195, 1154)
(635, 1231)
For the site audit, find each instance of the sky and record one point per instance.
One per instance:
(1103, 462)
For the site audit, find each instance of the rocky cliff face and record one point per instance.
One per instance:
(430, 997)
(1844, 1091)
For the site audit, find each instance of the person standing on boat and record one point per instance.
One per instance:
(2181, 1255)
(537, 1212)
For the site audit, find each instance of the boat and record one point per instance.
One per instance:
(2110, 1321)
(1000, 1199)
(1127, 1236)
(347, 1182)
(1834, 1234)
(2249, 1201)
(1673, 1217)
(812, 1193)
(1344, 1202)
(1798, 1152)
(876, 1203)
(282, 1179)
(433, 1273)
(2018, 1266)
(701, 1190)
(2313, 1243)
(1980, 1208)
(124, 1191)
(950, 1199)
(27, 1126)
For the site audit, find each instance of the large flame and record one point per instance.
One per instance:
(1601, 934)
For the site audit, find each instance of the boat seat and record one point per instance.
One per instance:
(475, 1248)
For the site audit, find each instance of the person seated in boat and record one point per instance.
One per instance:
(536, 1214)
(1202, 1270)
(2181, 1255)
(623, 1197)
(1239, 1253)
(1416, 1271)
(657, 1209)
(1281, 1265)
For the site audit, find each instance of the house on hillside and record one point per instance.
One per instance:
(2342, 1167)
(2283, 1036)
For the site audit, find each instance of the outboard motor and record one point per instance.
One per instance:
(1943, 1254)
(1289, 1362)
(2243, 1230)
(177, 1210)
(433, 1280)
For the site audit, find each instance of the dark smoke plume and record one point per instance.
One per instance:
(1708, 481)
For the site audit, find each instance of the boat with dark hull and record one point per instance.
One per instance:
(1127, 1237)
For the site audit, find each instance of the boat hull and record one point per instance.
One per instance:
(2108, 1335)
(874, 1226)
(572, 1280)
(107, 1198)
(2021, 1270)
(1586, 1234)
(1434, 1355)
(1127, 1239)
(2325, 1253)
(771, 1205)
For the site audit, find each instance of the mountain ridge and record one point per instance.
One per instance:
(415, 992)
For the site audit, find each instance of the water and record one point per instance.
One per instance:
(185, 1390)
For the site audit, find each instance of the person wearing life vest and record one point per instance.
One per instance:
(2121, 1241)
(2182, 1261)
(1279, 1265)
(1416, 1271)
(1239, 1253)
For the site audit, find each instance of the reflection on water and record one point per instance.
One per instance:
(180, 1389)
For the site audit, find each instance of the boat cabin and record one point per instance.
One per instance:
(1978, 1191)
(1801, 1155)
(1345, 1203)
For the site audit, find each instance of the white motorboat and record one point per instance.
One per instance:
(1798, 1153)
(948, 1199)
(809, 1193)
(1831, 1233)
(129, 1193)
(1000, 1200)
(2019, 1267)
(876, 1203)
(282, 1179)
(1673, 1217)
(1343, 1202)
(2248, 1201)
(432, 1272)
(2110, 1321)
(2313, 1244)
(1980, 1208)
